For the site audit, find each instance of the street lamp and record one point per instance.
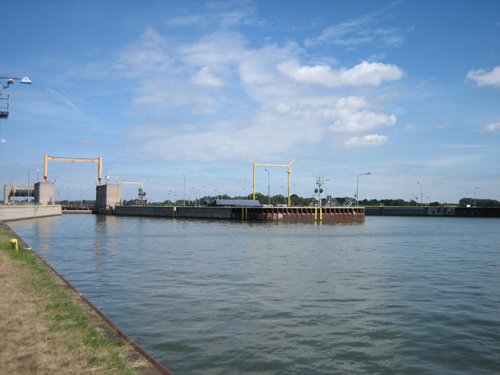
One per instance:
(4, 99)
(29, 171)
(475, 196)
(357, 188)
(184, 197)
(268, 188)
(421, 192)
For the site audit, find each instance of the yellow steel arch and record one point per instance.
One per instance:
(96, 160)
(288, 170)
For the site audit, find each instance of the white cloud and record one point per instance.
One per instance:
(360, 31)
(491, 128)
(254, 109)
(454, 160)
(362, 74)
(350, 121)
(366, 141)
(215, 49)
(205, 77)
(485, 79)
(150, 55)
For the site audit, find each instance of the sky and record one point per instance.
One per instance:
(179, 94)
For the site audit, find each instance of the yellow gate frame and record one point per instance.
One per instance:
(124, 182)
(96, 160)
(288, 170)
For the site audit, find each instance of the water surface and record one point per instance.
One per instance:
(392, 295)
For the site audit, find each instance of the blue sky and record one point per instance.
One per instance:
(406, 90)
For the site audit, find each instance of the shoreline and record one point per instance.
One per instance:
(137, 359)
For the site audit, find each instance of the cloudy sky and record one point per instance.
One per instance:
(171, 90)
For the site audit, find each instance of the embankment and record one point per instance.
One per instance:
(28, 212)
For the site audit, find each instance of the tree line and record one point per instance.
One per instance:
(295, 200)
(279, 200)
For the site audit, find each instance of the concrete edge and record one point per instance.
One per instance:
(156, 364)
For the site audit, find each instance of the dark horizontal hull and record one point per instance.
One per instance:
(243, 213)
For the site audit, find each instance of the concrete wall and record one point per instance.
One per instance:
(107, 196)
(410, 211)
(181, 212)
(19, 191)
(28, 212)
(44, 192)
(160, 211)
(205, 212)
(6, 192)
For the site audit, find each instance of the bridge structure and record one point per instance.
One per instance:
(44, 192)
(13, 191)
(95, 160)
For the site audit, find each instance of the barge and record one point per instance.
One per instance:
(311, 214)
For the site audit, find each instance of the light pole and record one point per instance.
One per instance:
(29, 171)
(184, 197)
(475, 196)
(268, 188)
(357, 188)
(421, 192)
(4, 98)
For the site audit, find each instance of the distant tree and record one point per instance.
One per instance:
(464, 202)
(299, 201)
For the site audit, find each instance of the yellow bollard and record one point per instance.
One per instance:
(14, 242)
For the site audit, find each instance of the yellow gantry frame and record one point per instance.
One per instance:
(96, 160)
(123, 182)
(288, 170)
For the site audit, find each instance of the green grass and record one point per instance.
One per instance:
(65, 315)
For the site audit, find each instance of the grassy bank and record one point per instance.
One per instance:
(45, 328)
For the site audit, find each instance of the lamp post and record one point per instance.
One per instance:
(268, 188)
(4, 98)
(357, 188)
(184, 196)
(29, 171)
(475, 196)
(421, 192)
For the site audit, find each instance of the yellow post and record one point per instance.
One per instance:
(99, 173)
(45, 158)
(14, 242)
(253, 184)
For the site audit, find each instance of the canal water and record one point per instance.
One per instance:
(391, 295)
